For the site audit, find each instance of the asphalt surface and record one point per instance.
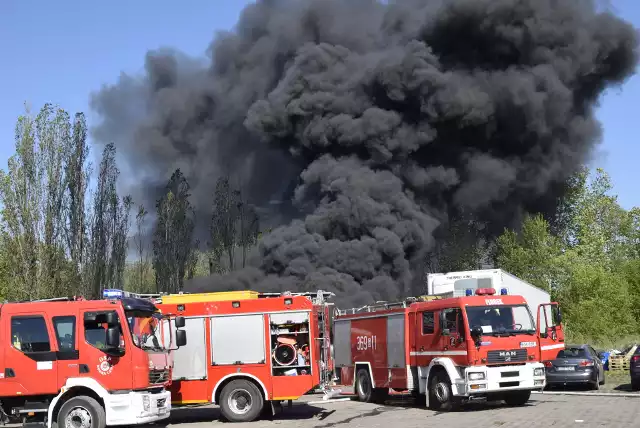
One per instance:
(542, 410)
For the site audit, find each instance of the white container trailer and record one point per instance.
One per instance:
(456, 284)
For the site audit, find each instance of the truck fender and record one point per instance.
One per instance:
(69, 386)
(239, 375)
(424, 374)
(355, 372)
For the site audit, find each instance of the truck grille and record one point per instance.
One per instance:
(506, 356)
(158, 376)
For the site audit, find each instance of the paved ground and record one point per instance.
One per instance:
(616, 382)
(543, 410)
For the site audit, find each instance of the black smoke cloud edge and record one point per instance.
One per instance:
(375, 123)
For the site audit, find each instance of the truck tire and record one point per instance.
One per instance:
(364, 387)
(635, 384)
(241, 401)
(366, 392)
(440, 393)
(517, 398)
(81, 412)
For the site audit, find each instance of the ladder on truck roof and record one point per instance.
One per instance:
(52, 299)
(317, 297)
(385, 306)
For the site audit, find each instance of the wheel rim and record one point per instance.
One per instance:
(78, 417)
(441, 392)
(239, 401)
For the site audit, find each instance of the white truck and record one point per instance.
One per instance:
(546, 314)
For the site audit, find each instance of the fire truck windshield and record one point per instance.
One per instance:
(145, 330)
(501, 319)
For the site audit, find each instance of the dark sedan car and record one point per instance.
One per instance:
(634, 370)
(575, 365)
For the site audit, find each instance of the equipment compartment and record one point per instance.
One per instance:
(290, 347)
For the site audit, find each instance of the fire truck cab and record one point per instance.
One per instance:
(249, 349)
(443, 350)
(84, 363)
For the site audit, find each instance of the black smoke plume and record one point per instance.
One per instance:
(377, 123)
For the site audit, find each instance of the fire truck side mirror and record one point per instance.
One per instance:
(113, 338)
(476, 334)
(179, 322)
(181, 338)
(111, 318)
(443, 324)
(558, 315)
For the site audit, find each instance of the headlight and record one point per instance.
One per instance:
(538, 372)
(145, 403)
(476, 376)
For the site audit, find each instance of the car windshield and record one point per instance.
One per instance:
(146, 330)
(501, 319)
(572, 353)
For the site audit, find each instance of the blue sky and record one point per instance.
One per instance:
(61, 51)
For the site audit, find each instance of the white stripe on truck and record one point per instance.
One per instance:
(422, 353)
(548, 347)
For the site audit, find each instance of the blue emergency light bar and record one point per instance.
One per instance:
(503, 291)
(468, 292)
(112, 293)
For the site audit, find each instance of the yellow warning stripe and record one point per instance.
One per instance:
(190, 402)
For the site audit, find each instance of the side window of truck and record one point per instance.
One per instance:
(29, 334)
(453, 320)
(95, 333)
(65, 327)
(428, 322)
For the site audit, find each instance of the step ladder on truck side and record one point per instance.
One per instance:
(73, 361)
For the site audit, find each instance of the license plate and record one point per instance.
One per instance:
(566, 369)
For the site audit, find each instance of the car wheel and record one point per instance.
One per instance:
(635, 384)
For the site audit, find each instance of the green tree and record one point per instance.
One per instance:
(172, 243)
(589, 263)
(224, 223)
(77, 173)
(531, 254)
(139, 282)
(32, 195)
(109, 227)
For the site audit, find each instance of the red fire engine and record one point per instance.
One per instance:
(443, 350)
(247, 349)
(83, 363)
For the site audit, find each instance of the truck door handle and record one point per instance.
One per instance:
(422, 348)
(9, 373)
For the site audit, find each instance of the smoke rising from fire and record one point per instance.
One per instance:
(374, 123)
